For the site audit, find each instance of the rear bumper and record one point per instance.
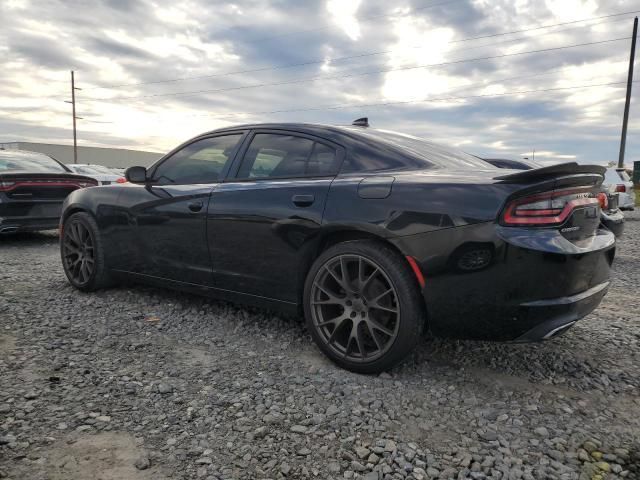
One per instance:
(557, 315)
(28, 224)
(487, 282)
(29, 216)
(613, 221)
(627, 201)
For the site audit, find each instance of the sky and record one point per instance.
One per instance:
(496, 78)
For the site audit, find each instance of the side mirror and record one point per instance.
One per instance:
(136, 174)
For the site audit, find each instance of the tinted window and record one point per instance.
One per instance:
(418, 151)
(83, 170)
(322, 160)
(28, 162)
(199, 162)
(277, 155)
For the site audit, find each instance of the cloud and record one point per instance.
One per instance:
(343, 13)
(123, 45)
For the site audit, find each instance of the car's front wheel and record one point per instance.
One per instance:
(82, 253)
(363, 306)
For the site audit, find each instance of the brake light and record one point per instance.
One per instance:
(546, 209)
(621, 188)
(6, 186)
(603, 199)
(121, 180)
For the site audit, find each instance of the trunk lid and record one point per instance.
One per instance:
(41, 186)
(553, 171)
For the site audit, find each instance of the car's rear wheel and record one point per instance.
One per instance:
(362, 306)
(82, 253)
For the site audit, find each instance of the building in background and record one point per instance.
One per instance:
(109, 157)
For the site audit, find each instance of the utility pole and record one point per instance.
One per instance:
(73, 106)
(625, 118)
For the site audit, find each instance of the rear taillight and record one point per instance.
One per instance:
(603, 199)
(121, 180)
(546, 209)
(5, 186)
(621, 188)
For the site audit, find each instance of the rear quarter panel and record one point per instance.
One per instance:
(419, 202)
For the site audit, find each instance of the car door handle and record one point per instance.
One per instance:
(303, 200)
(195, 206)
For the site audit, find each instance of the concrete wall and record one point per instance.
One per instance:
(109, 157)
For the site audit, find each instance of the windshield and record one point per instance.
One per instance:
(432, 153)
(101, 169)
(84, 170)
(28, 162)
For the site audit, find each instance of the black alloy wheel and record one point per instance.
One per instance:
(82, 253)
(355, 307)
(78, 252)
(363, 306)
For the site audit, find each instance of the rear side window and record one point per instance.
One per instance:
(284, 156)
(400, 151)
(199, 162)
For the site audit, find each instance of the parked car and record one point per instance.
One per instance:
(375, 235)
(104, 175)
(619, 180)
(610, 215)
(32, 189)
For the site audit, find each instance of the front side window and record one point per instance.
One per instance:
(277, 155)
(199, 162)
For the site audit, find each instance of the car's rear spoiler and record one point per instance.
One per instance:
(570, 168)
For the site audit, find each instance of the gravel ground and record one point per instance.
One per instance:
(142, 383)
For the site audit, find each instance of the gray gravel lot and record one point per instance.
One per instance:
(144, 383)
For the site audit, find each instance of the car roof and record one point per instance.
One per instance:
(310, 128)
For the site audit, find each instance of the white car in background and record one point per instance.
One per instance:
(104, 175)
(617, 180)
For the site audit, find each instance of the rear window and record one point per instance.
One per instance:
(427, 153)
(28, 162)
(624, 176)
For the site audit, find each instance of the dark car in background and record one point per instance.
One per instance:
(32, 189)
(611, 215)
(375, 235)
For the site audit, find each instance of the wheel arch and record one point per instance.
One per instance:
(76, 208)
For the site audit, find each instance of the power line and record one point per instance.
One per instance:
(351, 57)
(463, 89)
(351, 75)
(260, 39)
(298, 32)
(428, 100)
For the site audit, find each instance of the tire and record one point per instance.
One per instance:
(95, 276)
(372, 330)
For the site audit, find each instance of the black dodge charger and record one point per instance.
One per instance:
(32, 188)
(376, 235)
